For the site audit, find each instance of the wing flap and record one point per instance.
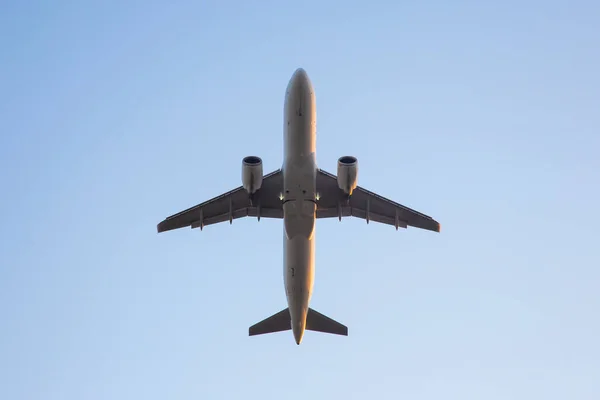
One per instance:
(348, 211)
(367, 205)
(241, 213)
(231, 205)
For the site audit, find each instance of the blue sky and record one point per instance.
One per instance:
(484, 116)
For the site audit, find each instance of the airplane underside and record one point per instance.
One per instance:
(299, 193)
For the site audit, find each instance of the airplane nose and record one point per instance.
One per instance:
(299, 81)
(299, 94)
(300, 74)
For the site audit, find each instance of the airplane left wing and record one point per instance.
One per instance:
(366, 205)
(232, 205)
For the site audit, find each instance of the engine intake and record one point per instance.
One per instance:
(252, 173)
(347, 174)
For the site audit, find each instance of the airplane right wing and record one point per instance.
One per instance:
(232, 205)
(366, 205)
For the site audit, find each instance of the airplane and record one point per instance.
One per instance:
(299, 193)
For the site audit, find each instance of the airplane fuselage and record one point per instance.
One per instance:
(299, 207)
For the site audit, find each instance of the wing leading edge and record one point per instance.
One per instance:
(234, 204)
(366, 205)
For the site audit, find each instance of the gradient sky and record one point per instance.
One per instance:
(484, 116)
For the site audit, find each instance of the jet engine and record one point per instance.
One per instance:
(347, 174)
(252, 173)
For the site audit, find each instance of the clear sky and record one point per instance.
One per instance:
(484, 115)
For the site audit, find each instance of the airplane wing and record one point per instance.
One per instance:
(333, 202)
(232, 205)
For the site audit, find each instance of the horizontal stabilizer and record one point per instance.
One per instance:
(316, 321)
(275, 323)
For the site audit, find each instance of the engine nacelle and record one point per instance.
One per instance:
(252, 173)
(347, 174)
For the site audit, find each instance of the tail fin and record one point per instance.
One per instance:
(316, 321)
(275, 323)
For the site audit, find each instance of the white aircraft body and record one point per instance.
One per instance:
(299, 193)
